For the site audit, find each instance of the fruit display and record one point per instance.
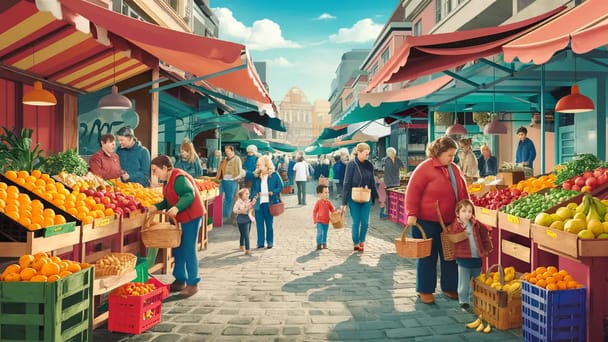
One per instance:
(114, 264)
(134, 289)
(31, 214)
(579, 164)
(551, 278)
(479, 326)
(533, 204)
(498, 198)
(208, 188)
(588, 181)
(588, 220)
(40, 267)
(88, 180)
(535, 184)
(145, 196)
(114, 202)
(511, 283)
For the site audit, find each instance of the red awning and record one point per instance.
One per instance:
(404, 94)
(585, 24)
(55, 50)
(428, 54)
(194, 54)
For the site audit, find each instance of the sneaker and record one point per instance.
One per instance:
(189, 291)
(177, 286)
(319, 247)
(464, 307)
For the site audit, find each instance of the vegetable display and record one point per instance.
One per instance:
(577, 166)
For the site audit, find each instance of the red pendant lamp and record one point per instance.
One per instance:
(456, 128)
(495, 127)
(575, 102)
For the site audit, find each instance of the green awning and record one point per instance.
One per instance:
(263, 119)
(333, 132)
(281, 146)
(259, 143)
(368, 112)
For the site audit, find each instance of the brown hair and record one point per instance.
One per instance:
(107, 138)
(464, 203)
(189, 148)
(161, 161)
(466, 141)
(440, 145)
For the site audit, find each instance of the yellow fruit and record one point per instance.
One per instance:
(26, 260)
(586, 234)
(575, 225)
(543, 219)
(39, 279)
(27, 273)
(557, 225)
(564, 213)
(580, 216)
(605, 226)
(595, 226)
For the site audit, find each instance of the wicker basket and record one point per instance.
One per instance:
(337, 219)
(411, 247)
(501, 309)
(115, 264)
(163, 234)
(448, 239)
(361, 195)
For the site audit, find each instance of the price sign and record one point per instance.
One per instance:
(485, 211)
(513, 219)
(551, 234)
(104, 221)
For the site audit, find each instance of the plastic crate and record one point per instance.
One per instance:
(142, 270)
(553, 315)
(58, 311)
(136, 314)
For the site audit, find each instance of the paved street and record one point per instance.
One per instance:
(295, 293)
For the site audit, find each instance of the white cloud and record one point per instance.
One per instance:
(364, 30)
(264, 34)
(280, 62)
(325, 16)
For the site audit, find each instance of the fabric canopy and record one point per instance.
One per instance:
(404, 94)
(368, 112)
(428, 54)
(586, 25)
(194, 54)
(333, 132)
(263, 119)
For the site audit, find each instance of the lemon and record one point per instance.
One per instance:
(557, 225)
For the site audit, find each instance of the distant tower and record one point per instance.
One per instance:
(296, 112)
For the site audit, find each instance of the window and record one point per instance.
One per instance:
(521, 4)
(448, 6)
(374, 70)
(418, 28)
(385, 56)
(173, 4)
(437, 11)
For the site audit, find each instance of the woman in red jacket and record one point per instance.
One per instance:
(182, 200)
(437, 179)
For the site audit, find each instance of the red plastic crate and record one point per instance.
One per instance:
(128, 314)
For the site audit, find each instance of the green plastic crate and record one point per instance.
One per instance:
(142, 270)
(59, 311)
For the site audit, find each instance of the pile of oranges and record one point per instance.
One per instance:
(29, 213)
(533, 184)
(145, 196)
(41, 267)
(75, 203)
(552, 279)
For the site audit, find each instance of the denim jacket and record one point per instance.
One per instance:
(275, 185)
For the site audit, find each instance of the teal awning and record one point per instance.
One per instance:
(281, 146)
(263, 119)
(333, 132)
(368, 112)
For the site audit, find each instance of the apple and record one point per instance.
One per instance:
(567, 185)
(587, 174)
(591, 182)
(575, 187)
(580, 181)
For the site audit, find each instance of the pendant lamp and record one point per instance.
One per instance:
(456, 128)
(114, 100)
(575, 102)
(494, 127)
(38, 96)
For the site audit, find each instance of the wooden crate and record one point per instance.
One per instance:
(511, 177)
(516, 250)
(514, 224)
(33, 243)
(133, 221)
(100, 228)
(568, 244)
(487, 216)
(501, 309)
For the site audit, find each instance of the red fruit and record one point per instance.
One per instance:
(576, 187)
(580, 181)
(591, 182)
(602, 179)
(598, 172)
(587, 174)
(567, 185)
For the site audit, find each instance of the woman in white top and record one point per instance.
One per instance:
(468, 161)
(302, 173)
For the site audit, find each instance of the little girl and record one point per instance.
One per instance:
(242, 209)
(469, 252)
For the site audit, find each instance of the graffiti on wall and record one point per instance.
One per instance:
(92, 125)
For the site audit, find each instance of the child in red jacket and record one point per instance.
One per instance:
(320, 215)
(469, 252)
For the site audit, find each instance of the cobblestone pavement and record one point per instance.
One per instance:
(295, 293)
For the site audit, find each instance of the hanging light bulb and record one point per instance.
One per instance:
(494, 127)
(575, 102)
(38, 96)
(114, 100)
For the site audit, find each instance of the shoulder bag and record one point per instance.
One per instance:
(360, 194)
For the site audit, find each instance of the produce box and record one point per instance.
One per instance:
(133, 220)
(486, 216)
(511, 177)
(501, 309)
(516, 250)
(58, 311)
(514, 224)
(100, 228)
(553, 315)
(136, 314)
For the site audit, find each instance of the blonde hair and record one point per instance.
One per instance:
(391, 150)
(440, 145)
(241, 192)
(360, 148)
(267, 162)
(189, 148)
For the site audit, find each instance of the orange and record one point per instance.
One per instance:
(541, 269)
(63, 265)
(59, 219)
(55, 259)
(541, 283)
(27, 273)
(41, 255)
(74, 267)
(3, 186)
(552, 269)
(53, 278)
(64, 274)
(562, 285)
(26, 260)
(3, 194)
(12, 277)
(552, 287)
(20, 181)
(39, 263)
(572, 284)
(48, 212)
(12, 268)
(12, 175)
(50, 268)
(84, 265)
(39, 278)
(36, 173)
(34, 226)
(22, 174)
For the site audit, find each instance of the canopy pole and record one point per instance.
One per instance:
(542, 118)
(196, 79)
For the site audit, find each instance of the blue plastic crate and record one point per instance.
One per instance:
(553, 315)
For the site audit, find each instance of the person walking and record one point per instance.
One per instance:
(392, 175)
(338, 168)
(487, 163)
(468, 252)
(467, 160)
(105, 163)
(231, 172)
(181, 200)
(436, 179)
(266, 187)
(359, 173)
(242, 209)
(302, 175)
(320, 215)
(188, 160)
(134, 158)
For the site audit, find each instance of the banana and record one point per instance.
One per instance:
(487, 329)
(480, 327)
(592, 213)
(581, 207)
(474, 324)
(599, 207)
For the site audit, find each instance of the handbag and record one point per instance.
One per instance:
(276, 209)
(242, 219)
(360, 194)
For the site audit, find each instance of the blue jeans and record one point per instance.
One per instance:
(322, 233)
(244, 229)
(301, 185)
(229, 189)
(426, 268)
(465, 275)
(263, 222)
(186, 261)
(359, 213)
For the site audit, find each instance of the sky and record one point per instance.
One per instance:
(302, 41)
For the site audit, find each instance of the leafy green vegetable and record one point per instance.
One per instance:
(16, 151)
(68, 161)
(579, 164)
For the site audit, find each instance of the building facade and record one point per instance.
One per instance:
(296, 111)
